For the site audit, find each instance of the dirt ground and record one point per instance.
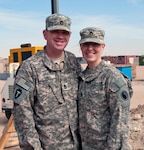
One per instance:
(136, 136)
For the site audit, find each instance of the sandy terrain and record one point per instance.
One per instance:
(137, 99)
(138, 96)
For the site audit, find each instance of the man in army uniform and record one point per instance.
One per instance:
(45, 93)
(103, 98)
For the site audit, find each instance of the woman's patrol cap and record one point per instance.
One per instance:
(58, 22)
(92, 34)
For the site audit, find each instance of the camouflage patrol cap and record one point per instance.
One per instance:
(58, 22)
(92, 34)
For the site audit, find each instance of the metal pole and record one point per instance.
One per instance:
(54, 4)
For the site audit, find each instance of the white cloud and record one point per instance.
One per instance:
(17, 28)
(121, 39)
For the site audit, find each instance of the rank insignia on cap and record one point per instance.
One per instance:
(58, 22)
(91, 33)
(61, 22)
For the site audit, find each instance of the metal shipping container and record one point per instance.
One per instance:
(141, 60)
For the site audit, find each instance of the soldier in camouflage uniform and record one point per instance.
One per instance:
(103, 98)
(45, 93)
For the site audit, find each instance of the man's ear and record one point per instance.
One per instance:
(45, 34)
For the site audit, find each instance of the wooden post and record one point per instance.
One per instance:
(9, 128)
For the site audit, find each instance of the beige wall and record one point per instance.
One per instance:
(2, 82)
(4, 66)
(1, 68)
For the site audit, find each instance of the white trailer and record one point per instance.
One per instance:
(7, 91)
(17, 55)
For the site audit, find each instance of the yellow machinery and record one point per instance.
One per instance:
(17, 55)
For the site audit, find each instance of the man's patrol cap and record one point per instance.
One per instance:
(58, 22)
(92, 34)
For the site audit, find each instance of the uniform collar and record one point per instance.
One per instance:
(90, 74)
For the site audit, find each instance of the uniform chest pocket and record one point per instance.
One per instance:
(46, 86)
(49, 95)
(46, 81)
(96, 89)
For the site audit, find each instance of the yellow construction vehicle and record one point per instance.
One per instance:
(17, 55)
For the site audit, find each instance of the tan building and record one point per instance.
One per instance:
(4, 65)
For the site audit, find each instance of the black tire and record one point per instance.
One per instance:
(8, 114)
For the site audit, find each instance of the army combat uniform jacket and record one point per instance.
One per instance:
(104, 102)
(45, 103)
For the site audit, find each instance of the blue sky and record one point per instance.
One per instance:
(22, 21)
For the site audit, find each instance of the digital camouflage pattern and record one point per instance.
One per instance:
(45, 103)
(104, 103)
(58, 22)
(92, 34)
